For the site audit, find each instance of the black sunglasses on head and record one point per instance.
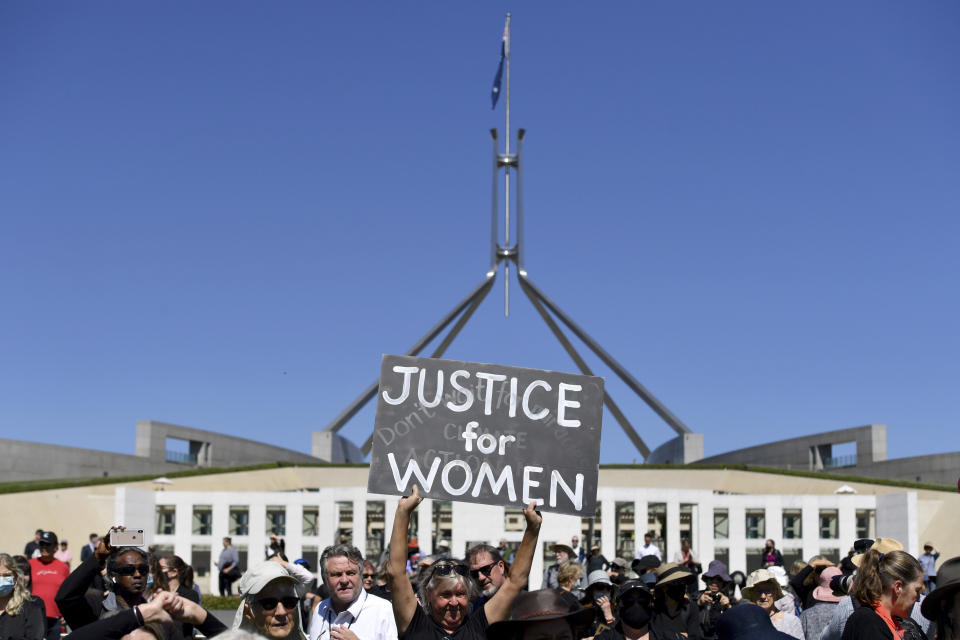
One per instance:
(485, 570)
(269, 604)
(129, 570)
(446, 568)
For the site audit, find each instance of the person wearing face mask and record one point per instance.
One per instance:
(764, 590)
(771, 556)
(598, 597)
(22, 617)
(48, 575)
(176, 576)
(127, 571)
(634, 613)
(673, 613)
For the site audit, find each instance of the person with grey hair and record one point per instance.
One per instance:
(351, 612)
(446, 589)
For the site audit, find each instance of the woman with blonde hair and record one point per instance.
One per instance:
(886, 588)
(21, 616)
(568, 577)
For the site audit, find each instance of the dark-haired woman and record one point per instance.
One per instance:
(887, 587)
(176, 576)
(942, 605)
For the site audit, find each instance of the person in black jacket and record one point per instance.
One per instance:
(771, 555)
(807, 579)
(886, 588)
(162, 617)
(127, 569)
(22, 616)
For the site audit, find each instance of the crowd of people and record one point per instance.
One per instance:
(879, 591)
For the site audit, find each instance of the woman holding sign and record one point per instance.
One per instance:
(447, 589)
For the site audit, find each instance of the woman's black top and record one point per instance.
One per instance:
(125, 621)
(422, 627)
(29, 624)
(192, 596)
(865, 624)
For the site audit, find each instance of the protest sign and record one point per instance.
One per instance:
(487, 433)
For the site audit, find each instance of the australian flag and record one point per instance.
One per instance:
(498, 79)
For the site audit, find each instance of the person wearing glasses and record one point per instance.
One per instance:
(270, 607)
(351, 611)
(446, 589)
(487, 568)
(48, 575)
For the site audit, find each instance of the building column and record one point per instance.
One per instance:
(360, 524)
(294, 534)
(425, 526)
(257, 538)
(326, 518)
(183, 527)
(846, 523)
(810, 519)
(737, 541)
(608, 526)
(640, 523)
(672, 543)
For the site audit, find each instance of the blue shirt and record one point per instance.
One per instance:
(929, 561)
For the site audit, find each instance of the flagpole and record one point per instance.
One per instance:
(506, 175)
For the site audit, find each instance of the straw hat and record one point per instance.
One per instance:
(565, 549)
(883, 545)
(671, 573)
(758, 577)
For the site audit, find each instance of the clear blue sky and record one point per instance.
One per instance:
(220, 214)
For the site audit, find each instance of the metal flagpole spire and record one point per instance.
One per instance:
(551, 313)
(506, 173)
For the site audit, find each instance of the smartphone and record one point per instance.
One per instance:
(128, 538)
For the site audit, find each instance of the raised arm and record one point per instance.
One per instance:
(404, 599)
(498, 607)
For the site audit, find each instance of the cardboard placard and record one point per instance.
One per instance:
(487, 433)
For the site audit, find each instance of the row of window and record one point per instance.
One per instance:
(441, 529)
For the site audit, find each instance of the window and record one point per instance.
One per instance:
(513, 519)
(624, 530)
(590, 530)
(200, 560)
(239, 521)
(756, 524)
(831, 554)
(866, 523)
(311, 554)
(343, 516)
(202, 520)
(721, 524)
(792, 524)
(828, 523)
(375, 532)
(277, 520)
(443, 522)
(310, 517)
(242, 556)
(166, 520)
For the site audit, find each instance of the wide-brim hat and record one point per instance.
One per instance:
(758, 577)
(254, 580)
(598, 577)
(747, 622)
(883, 545)
(563, 547)
(823, 592)
(948, 583)
(640, 565)
(717, 569)
(540, 606)
(672, 573)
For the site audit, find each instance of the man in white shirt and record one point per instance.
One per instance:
(350, 612)
(648, 548)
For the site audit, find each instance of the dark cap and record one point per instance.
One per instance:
(48, 537)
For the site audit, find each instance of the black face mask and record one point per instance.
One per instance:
(636, 616)
(676, 592)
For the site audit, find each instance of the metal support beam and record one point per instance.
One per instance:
(659, 408)
(585, 369)
(442, 347)
(477, 294)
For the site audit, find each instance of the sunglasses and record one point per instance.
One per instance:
(485, 570)
(446, 568)
(129, 570)
(269, 604)
(369, 576)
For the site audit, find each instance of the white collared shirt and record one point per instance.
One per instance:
(368, 616)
